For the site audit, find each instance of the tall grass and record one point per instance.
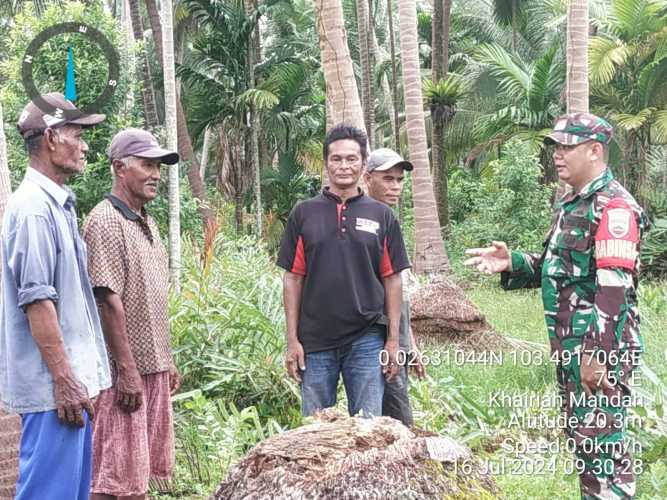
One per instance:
(228, 329)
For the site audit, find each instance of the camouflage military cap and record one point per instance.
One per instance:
(576, 128)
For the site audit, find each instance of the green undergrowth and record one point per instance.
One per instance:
(457, 398)
(228, 329)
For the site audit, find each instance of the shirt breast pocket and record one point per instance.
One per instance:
(574, 248)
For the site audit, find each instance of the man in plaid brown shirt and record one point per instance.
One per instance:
(133, 436)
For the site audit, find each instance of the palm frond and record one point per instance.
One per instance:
(544, 21)
(634, 17)
(258, 99)
(448, 91)
(659, 129)
(652, 78)
(628, 121)
(543, 78)
(285, 78)
(513, 77)
(605, 55)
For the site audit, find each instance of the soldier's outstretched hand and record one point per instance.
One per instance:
(490, 260)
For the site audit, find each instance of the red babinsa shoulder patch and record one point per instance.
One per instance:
(617, 237)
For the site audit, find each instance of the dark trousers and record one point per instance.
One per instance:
(396, 403)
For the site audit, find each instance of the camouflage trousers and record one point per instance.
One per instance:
(596, 424)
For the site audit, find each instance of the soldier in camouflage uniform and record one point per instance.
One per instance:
(588, 273)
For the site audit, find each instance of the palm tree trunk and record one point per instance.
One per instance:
(385, 94)
(126, 24)
(238, 213)
(446, 22)
(577, 57)
(264, 146)
(430, 255)
(374, 56)
(150, 110)
(394, 80)
(437, 45)
(366, 68)
(443, 177)
(170, 122)
(343, 104)
(437, 126)
(576, 80)
(184, 141)
(204, 153)
(396, 124)
(439, 167)
(254, 126)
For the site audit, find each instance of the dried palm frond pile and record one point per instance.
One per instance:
(350, 458)
(442, 313)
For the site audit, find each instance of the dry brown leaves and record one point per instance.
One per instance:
(442, 314)
(339, 457)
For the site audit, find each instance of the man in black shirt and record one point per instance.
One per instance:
(343, 253)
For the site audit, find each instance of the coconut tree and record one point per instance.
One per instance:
(394, 79)
(430, 313)
(365, 40)
(150, 110)
(126, 24)
(343, 103)
(576, 92)
(170, 98)
(430, 255)
(184, 140)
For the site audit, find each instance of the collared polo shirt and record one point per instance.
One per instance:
(343, 250)
(44, 258)
(126, 255)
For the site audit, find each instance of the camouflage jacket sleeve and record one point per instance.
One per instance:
(614, 311)
(615, 320)
(526, 272)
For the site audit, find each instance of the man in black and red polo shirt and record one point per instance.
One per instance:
(343, 253)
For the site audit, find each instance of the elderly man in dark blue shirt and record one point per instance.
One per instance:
(52, 354)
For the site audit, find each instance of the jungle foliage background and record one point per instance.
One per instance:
(252, 111)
